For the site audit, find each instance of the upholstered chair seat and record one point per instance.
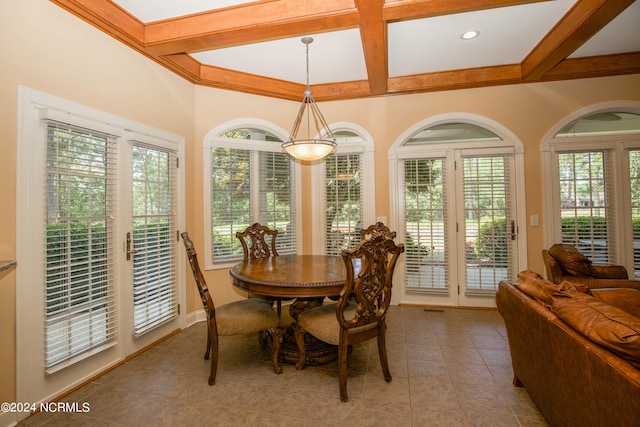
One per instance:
(246, 317)
(321, 322)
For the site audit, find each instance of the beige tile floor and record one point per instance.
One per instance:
(450, 368)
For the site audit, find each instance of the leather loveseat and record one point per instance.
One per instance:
(576, 351)
(565, 262)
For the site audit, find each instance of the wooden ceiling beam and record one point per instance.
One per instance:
(256, 34)
(108, 17)
(458, 79)
(340, 91)
(596, 66)
(402, 10)
(250, 83)
(599, 66)
(373, 32)
(245, 24)
(583, 20)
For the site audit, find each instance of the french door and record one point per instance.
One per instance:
(97, 224)
(151, 242)
(461, 233)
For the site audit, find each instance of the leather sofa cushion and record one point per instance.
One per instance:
(534, 285)
(606, 325)
(568, 286)
(571, 261)
(626, 299)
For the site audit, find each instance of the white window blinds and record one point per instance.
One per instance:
(343, 202)
(249, 186)
(230, 200)
(80, 301)
(634, 196)
(488, 222)
(155, 296)
(587, 205)
(425, 210)
(276, 207)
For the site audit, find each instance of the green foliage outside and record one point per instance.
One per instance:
(412, 247)
(492, 241)
(77, 255)
(583, 227)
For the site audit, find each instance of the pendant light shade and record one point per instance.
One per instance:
(310, 149)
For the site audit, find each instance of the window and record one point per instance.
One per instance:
(251, 180)
(594, 182)
(80, 260)
(343, 192)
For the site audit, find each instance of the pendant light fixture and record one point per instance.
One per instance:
(310, 149)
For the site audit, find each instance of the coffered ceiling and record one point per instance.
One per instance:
(368, 48)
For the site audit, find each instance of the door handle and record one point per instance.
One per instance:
(129, 250)
(513, 230)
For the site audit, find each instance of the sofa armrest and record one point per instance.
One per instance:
(609, 283)
(610, 272)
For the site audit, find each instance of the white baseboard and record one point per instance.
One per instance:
(195, 317)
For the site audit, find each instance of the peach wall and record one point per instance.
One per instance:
(47, 49)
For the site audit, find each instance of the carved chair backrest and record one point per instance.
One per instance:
(370, 267)
(254, 242)
(207, 301)
(377, 228)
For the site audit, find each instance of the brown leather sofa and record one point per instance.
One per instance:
(565, 262)
(573, 380)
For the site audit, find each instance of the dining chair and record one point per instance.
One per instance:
(242, 317)
(254, 245)
(361, 310)
(377, 228)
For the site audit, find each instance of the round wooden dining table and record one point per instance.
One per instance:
(308, 280)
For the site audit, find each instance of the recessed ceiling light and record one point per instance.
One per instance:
(471, 34)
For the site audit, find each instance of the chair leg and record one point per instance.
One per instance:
(343, 353)
(516, 381)
(207, 352)
(213, 338)
(382, 352)
(276, 337)
(299, 334)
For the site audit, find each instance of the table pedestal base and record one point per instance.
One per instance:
(318, 352)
